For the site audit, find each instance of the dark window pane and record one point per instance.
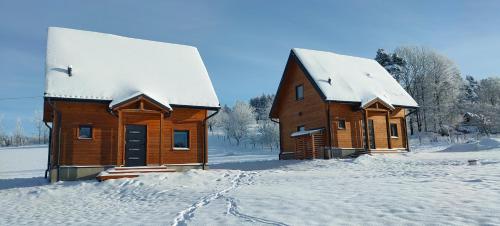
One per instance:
(299, 92)
(85, 132)
(394, 130)
(342, 124)
(181, 139)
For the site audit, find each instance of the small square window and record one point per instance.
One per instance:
(181, 139)
(299, 92)
(301, 128)
(341, 124)
(85, 132)
(394, 130)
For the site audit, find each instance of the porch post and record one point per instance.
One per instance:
(405, 132)
(329, 132)
(313, 147)
(388, 125)
(161, 137)
(367, 132)
(119, 149)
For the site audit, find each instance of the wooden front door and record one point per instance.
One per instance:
(135, 145)
(371, 133)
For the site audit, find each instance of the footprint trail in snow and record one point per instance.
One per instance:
(186, 215)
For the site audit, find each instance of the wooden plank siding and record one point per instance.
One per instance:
(397, 117)
(352, 135)
(313, 112)
(310, 112)
(107, 144)
(380, 128)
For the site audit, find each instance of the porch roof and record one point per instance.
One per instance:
(136, 96)
(305, 132)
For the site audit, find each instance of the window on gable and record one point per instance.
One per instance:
(301, 128)
(85, 132)
(181, 139)
(341, 124)
(394, 130)
(299, 92)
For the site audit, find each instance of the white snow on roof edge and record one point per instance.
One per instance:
(119, 101)
(110, 67)
(353, 79)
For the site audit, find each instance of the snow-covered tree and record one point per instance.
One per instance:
(391, 62)
(471, 89)
(489, 91)
(238, 121)
(434, 81)
(215, 121)
(260, 104)
(3, 135)
(39, 125)
(268, 131)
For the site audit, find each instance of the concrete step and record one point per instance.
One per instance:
(139, 167)
(131, 172)
(140, 171)
(114, 176)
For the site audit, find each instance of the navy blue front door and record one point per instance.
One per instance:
(135, 145)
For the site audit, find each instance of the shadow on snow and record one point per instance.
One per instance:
(22, 182)
(255, 165)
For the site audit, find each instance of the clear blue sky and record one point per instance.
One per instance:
(245, 44)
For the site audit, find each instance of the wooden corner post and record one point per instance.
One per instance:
(388, 125)
(367, 132)
(119, 151)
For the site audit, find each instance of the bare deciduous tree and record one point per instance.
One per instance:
(18, 135)
(38, 124)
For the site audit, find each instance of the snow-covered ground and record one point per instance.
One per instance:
(432, 185)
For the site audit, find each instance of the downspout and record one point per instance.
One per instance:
(406, 129)
(411, 112)
(205, 146)
(279, 127)
(49, 151)
(58, 145)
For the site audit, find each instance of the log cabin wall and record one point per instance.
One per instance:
(309, 112)
(152, 123)
(100, 150)
(398, 118)
(380, 128)
(106, 146)
(383, 136)
(352, 135)
(184, 119)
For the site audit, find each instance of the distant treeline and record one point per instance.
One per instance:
(20, 137)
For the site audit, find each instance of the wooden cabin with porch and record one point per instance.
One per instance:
(117, 102)
(331, 105)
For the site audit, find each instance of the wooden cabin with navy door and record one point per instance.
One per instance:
(114, 101)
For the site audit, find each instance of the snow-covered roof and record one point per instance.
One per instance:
(305, 132)
(111, 67)
(352, 79)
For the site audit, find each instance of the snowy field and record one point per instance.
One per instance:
(433, 185)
